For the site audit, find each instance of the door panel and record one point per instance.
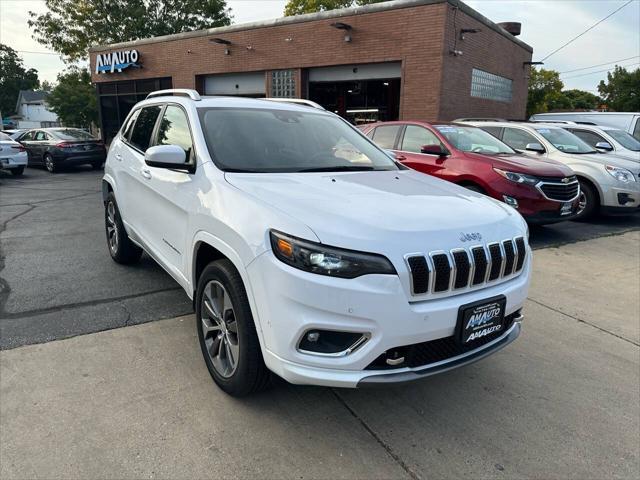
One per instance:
(413, 139)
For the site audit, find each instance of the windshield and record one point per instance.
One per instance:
(565, 141)
(4, 137)
(262, 140)
(72, 134)
(626, 140)
(473, 139)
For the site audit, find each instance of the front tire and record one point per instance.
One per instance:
(588, 202)
(96, 165)
(227, 333)
(17, 171)
(50, 164)
(121, 248)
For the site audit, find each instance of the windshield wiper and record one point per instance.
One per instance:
(338, 168)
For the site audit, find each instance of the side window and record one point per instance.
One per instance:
(588, 137)
(26, 136)
(415, 137)
(636, 130)
(495, 131)
(41, 136)
(143, 128)
(518, 139)
(174, 130)
(385, 137)
(126, 131)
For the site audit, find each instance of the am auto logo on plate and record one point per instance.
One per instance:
(480, 319)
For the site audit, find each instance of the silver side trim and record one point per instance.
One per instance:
(177, 92)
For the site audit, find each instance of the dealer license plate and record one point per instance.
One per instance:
(479, 319)
(566, 209)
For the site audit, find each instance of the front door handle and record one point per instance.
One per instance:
(118, 157)
(145, 172)
(400, 157)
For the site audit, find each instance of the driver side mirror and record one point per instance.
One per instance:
(535, 147)
(605, 146)
(434, 149)
(166, 156)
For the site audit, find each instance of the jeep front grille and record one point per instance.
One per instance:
(460, 268)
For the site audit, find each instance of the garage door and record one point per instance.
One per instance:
(249, 84)
(369, 71)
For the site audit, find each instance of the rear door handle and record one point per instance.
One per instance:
(145, 172)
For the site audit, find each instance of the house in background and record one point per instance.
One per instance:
(33, 111)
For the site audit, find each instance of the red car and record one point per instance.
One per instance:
(543, 191)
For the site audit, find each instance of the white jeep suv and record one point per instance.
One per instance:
(306, 249)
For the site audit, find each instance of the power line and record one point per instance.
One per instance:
(600, 71)
(599, 65)
(590, 28)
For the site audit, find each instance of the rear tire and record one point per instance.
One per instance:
(588, 202)
(227, 332)
(121, 248)
(96, 165)
(50, 164)
(17, 171)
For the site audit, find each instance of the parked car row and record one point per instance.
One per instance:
(54, 148)
(545, 171)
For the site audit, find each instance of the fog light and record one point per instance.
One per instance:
(328, 342)
(624, 198)
(510, 201)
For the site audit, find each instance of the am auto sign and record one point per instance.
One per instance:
(117, 61)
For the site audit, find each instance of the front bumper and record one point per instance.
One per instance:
(621, 199)
(289, 302)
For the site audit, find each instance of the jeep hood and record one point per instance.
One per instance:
(376, 211)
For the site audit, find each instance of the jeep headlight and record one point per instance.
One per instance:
(324, 260)
(517, 177)
(621, 174)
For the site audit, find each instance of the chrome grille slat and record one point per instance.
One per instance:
(440, 271)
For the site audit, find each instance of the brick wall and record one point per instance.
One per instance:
(488, 51)
(433, 84)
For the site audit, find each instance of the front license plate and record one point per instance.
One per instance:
(479, 319)
(566, 208)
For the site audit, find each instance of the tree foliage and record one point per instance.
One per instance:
(13, 78)
(73, 98)
(621, 91)
(70, 27)
(546, 94)
(298, 7)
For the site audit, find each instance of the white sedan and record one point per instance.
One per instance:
(13, 156)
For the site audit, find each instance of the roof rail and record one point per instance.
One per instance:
(297, 101)
(176, 92)
(480, 119)
(566, 122)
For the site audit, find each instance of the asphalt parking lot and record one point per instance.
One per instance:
(57, 279)
(563, 401)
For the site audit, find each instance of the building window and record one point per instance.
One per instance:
(490, 86)
(283, 84)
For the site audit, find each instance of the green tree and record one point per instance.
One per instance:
(545, 87)
(298, 7)
(70, 27)
(73, 98)
(582, 100)
(46, 86)
(621, 91)
(13, 78)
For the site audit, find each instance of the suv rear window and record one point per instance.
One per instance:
(143, 129)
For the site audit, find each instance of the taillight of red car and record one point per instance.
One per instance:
(64, 145)
(20, 148)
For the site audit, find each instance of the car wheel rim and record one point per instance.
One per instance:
(48, 163)
(582, 202)
(112, 228)
(219, 329)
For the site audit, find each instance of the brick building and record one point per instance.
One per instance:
(404, 59)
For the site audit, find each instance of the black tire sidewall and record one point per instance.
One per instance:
(243, 380)
(17, 171)
(53, 164)
(592, 202)
(127, 252)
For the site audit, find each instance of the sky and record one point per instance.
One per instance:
(546, 25)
